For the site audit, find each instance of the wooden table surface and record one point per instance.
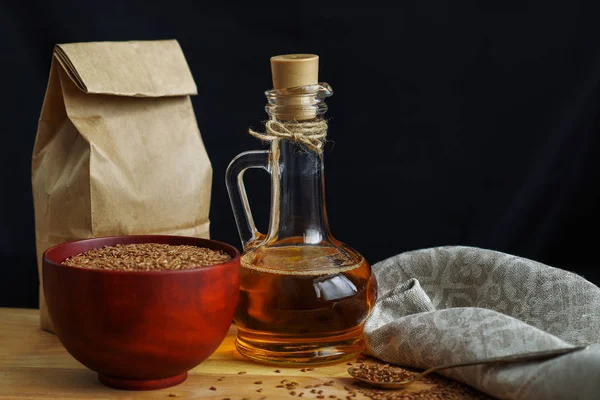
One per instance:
(34, 365)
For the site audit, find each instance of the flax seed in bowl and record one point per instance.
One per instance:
(141, 311)
(147, 257)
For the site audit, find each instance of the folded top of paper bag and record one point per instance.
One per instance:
(135, 68)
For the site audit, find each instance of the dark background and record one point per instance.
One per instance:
(453, 123)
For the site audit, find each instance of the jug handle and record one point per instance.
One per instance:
(234, 180)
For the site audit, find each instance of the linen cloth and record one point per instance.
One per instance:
(452, 304)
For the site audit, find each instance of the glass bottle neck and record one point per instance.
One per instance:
(298, 210)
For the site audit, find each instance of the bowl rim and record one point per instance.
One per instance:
(234, 260)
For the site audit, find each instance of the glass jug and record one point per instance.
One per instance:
(304, 295)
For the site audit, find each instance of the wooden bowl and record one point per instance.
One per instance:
(140, 330)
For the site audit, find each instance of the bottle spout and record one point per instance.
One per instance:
(297, 93)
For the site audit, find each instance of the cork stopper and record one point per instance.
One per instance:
(293, 70)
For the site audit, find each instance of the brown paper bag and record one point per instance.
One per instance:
(118, 150)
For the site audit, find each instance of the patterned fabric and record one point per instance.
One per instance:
(455, 304)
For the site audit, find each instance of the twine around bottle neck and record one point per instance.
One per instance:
(310, 134)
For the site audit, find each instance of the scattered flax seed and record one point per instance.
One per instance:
(331, 396)
(301, 394)
(313, 391)
(303, 370)
(283, 381)
(330, 383)
(241, 372)
(279, 386)
(277, 371)
(212, 388)
(259, 390)
(293, 393)
(258, 382)
(320, 396)
(147, 257)
(172, 395)
(308, 386)
(221, 378)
